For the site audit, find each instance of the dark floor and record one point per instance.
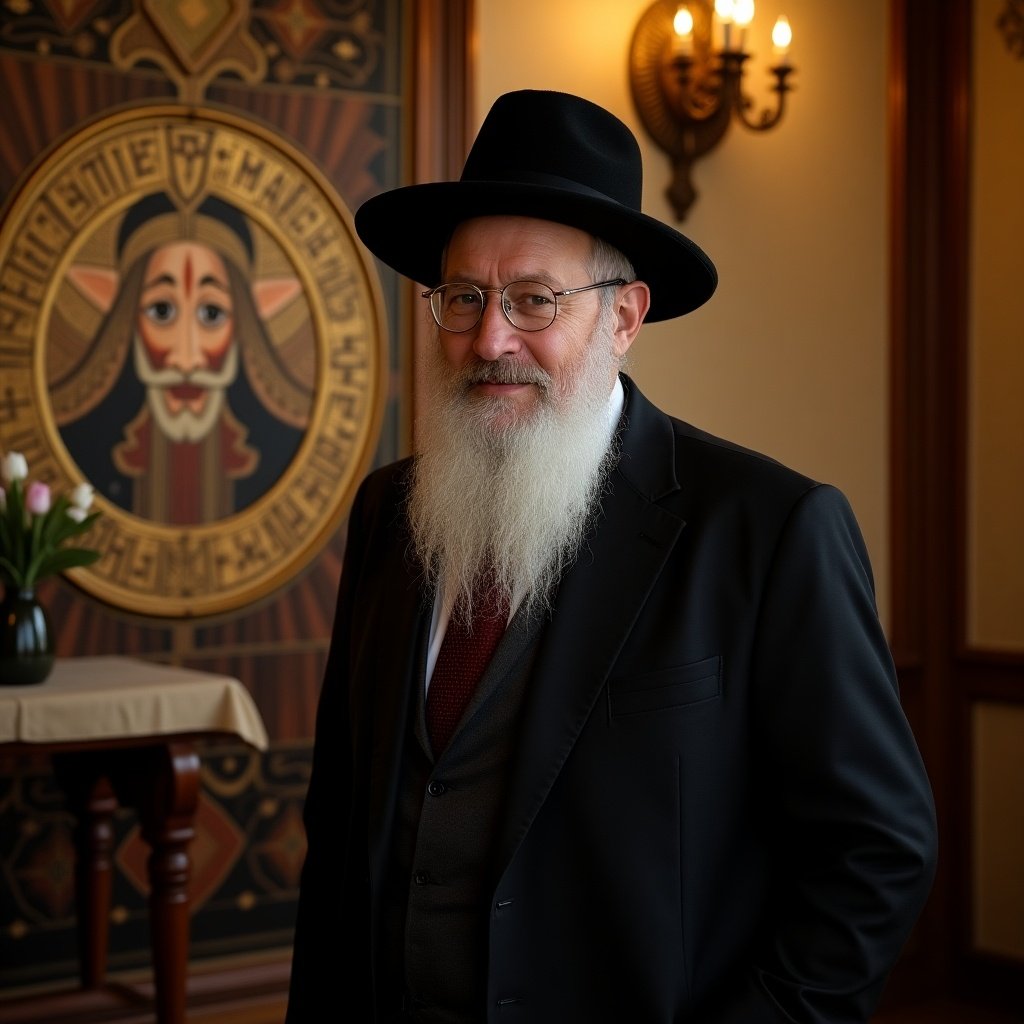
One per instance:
(268, 1007)
(932, 1013)
(946, 1013)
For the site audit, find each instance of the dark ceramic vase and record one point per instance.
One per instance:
(26, 640)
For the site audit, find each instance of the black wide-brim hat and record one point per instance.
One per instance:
(552, 156)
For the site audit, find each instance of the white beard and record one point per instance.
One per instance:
(514, 498)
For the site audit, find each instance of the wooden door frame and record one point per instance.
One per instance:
(940, 674)
(444, 46)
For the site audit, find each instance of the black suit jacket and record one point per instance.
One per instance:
(717, 813)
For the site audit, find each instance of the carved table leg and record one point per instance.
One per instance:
(168, 826)
(162, 782)
(93, 803)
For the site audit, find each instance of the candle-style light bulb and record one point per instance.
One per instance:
(743, 12)
(682, 23)
(743, 15)
(724, 10)
(782, 37)
(682, 26)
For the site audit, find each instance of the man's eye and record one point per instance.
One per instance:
(464, 299)
(530, 296)
(161, 312)
(210, 314)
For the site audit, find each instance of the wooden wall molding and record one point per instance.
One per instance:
(929, 134)
(445, 47)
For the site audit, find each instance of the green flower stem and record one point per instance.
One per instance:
(31, 545)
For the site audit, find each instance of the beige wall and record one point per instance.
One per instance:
(995, 608)
(995, 542)
(790, 356)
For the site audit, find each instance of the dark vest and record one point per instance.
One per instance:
(441, 876)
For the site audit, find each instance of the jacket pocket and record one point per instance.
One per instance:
(666, 688)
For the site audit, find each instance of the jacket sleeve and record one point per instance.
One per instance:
(844, 787)
(333, 895)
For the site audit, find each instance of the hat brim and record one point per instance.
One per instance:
(408, 228)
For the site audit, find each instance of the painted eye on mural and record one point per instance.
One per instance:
(161, 312)
(210, 314)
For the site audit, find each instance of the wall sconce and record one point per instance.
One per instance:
(686, 74)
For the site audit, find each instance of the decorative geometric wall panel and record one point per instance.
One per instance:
(326, 81)
(246, 859)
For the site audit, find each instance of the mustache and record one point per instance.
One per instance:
(169, 377)
(174, 378)
(504, 371)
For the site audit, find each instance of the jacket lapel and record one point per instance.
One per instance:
(398, 650)
(598, 602)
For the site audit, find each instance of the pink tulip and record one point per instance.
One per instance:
(37, 498)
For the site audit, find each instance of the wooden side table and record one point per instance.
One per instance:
(124, 731)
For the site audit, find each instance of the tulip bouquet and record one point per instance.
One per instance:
(34, 526)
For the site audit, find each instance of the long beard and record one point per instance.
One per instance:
(512, 496)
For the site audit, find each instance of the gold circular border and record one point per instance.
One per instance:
(313, 490)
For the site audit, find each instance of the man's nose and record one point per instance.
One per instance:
(187, 353)
(495, 334)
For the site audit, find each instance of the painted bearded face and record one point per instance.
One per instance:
(185, 350)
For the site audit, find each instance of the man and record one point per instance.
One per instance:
(683, 788)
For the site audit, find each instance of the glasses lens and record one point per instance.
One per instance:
(530, 305)
(457, 307)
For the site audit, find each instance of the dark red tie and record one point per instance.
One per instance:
(465, 651)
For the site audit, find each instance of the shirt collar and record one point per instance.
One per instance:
(616, 401)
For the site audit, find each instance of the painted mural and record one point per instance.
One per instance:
(187, 321)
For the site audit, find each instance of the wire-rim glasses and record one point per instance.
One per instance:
(527, 305)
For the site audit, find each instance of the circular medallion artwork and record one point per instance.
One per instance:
(188, 322)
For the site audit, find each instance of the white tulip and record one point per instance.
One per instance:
(13, 467)
(81, 497)
(76, 513)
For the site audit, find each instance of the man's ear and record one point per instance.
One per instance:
(272, 294)
(631, 306)
(97, 284)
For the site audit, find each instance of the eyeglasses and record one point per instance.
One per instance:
(527, 305)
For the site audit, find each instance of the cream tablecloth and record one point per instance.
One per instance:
(115, 698)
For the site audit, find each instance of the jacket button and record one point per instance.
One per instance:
(436, 788)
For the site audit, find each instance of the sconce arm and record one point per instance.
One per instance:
(768, 118)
